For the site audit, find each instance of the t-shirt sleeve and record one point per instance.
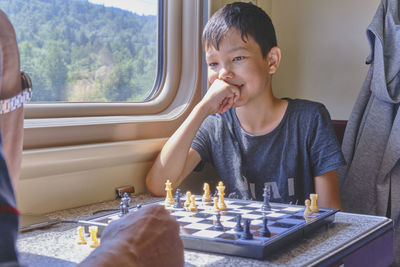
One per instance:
(326, 154)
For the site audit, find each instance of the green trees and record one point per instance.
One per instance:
(77, 51)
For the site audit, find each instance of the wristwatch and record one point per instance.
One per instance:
(10, 104)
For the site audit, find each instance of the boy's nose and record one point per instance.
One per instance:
(225, 73)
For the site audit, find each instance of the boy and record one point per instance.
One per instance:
(250, 136)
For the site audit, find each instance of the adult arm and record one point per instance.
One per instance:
(11, 123)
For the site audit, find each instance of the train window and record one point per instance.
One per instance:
(88, 50)
(105, 97)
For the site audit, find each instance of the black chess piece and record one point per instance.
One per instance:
(125, 203)
(122, 208)
(247, 235)
(233, 195)
(215, 193)
(264, 230)
(177, 204)
(218, 225)
(267, 195)
(238, 226)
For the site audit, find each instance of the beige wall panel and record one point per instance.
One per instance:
(73, 189)
(324, 48)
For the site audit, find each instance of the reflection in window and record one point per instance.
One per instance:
(87, 50)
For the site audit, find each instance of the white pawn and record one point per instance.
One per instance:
(193, 206)
(307, 210)
(188, 200)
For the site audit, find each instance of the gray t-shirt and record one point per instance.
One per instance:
(301, 147)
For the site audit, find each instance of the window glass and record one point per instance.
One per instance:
(87, 50)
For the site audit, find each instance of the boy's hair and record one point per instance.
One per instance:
(245, 17)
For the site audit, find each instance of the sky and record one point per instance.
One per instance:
(141, 7)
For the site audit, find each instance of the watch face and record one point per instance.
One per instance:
(25, 80)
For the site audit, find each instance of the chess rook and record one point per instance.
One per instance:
(314, 206)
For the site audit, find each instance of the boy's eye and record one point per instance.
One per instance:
(238, 58)
(212, 64)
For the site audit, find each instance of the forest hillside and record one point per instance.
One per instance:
(78, 51)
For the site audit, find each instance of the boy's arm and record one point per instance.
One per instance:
(327, 188)
(177, 159)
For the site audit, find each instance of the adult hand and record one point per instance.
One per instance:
(147, 237)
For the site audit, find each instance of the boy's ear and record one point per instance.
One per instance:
(274, 58)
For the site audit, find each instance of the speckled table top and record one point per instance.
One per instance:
(56, 245)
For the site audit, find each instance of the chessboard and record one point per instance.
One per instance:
(284, 223)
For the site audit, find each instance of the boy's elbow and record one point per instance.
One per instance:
(152, 185)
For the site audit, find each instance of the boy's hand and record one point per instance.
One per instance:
(147, 237)
(220, 97)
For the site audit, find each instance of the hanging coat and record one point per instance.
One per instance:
(370, 182)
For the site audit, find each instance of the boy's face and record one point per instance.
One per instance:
(241, 64)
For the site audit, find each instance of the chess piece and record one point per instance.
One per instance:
(218, 225)
(169, 200)
(81, 238)
(314, 206)
(238, 226)
(188, 200)
(221, 193)
(121, 208)
(126, 201)
(264, 230)
(193, 206)
(206, 196)
(216, 208)
(267, 196)
(307, 210)
(93, 237)
(177, 199)
(246, 235)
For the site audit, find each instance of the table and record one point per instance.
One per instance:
(352, 240)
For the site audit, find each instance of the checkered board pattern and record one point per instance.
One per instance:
(285, 222)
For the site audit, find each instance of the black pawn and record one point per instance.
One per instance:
(177, 204)
(122, 208)
(247, 235)
(218, 225)
(267, 195)
(264, 230)
(238, 226)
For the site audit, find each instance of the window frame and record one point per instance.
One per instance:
(61, 124)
